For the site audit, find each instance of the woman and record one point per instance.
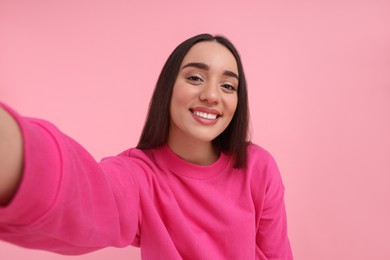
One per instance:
(194, 188)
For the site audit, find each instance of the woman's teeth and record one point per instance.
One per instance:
(205, 115)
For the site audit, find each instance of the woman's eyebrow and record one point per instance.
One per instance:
(204, 66)
(230, 74)
(198, 65)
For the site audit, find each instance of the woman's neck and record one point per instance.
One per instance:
(198, 152)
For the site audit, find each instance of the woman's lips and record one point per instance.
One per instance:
(205, 116)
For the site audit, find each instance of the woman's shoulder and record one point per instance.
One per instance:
(145, 160)
(257, 152)
(260, 159)
(261, 164)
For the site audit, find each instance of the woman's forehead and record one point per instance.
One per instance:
(212, 53)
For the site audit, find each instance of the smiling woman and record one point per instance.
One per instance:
(234, 138)
(179, 195)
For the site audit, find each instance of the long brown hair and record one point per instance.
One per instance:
(234, 139)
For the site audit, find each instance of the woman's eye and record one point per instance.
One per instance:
(195, 79)
(229, 87)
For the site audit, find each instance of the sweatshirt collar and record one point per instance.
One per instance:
(191, 170)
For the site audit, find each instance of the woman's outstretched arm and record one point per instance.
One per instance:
(56, 196)
(11, 157)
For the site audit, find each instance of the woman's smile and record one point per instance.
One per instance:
(205, 115)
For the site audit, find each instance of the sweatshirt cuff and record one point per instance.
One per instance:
(41, 173)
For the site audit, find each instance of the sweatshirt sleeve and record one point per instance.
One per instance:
(272, 240)
(67, 202)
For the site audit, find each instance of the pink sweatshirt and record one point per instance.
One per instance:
(71, 204)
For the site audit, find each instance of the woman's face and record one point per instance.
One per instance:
(204, 96)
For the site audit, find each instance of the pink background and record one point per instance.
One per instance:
(319, 86)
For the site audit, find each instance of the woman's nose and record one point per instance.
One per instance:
(210, 93)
